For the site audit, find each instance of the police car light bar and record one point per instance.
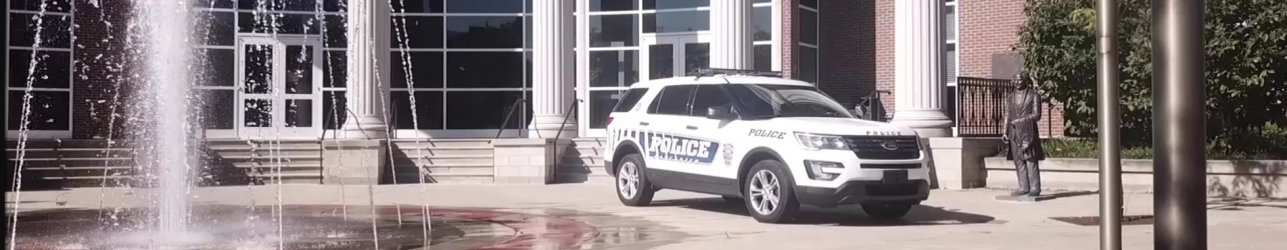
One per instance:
(716, 71)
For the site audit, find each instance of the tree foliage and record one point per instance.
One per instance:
(1246, 65)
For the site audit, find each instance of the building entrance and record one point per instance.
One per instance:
(279, 87)
(660, 56)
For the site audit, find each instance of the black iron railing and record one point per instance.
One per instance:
(982, 103)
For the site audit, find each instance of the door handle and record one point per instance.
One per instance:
(691, 127)
(643, 123)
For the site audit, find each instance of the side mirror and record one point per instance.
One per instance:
(720, 113)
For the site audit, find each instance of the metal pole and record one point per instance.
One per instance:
(1179, 136)
(1110, 164)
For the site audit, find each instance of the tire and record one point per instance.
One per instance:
(733, 199)
(766, 211)
(886, 211)
(632, 185)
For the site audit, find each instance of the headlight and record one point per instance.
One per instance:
(819, 142)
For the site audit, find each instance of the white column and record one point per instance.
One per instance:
(918, 67)
(553, 74)
(368, 68)
(732, 44)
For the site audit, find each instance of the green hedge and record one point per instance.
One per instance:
(1270, 145)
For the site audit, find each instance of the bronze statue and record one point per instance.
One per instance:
(1022, 110)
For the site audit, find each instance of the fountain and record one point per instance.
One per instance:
(165, 71)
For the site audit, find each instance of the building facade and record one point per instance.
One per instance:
(460, 68)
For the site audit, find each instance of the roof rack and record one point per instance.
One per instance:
(717, 71)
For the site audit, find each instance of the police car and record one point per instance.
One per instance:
(753, 137)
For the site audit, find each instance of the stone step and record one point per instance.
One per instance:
(271, 153)
(457, 151)
(30, 153)
(84, 171)
(72, 162)
(287, 177)
(267, 159)
(582, 178)
(70, 143)
(447, 169)
(585, 151)
(582, 169)
(581, 160)
(222, 143)
(92, 181)
(473, 160)
(441, 143)
(261, 148)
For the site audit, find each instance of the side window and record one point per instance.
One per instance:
(632, 98)
(708, 96)
(673, 100)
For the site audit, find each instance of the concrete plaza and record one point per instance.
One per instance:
(951, 219)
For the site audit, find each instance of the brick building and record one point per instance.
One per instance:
(471, 60)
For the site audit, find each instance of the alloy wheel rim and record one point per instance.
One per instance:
(628, 180)
(764, 195)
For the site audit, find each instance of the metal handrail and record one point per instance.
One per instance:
(508, 114)
(557, 155)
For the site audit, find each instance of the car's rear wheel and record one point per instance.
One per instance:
(769, 193)
(887, 211)
(633, 187)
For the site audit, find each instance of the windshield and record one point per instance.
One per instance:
(760, 101)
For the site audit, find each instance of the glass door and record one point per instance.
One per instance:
(612, 72)
(280, 88)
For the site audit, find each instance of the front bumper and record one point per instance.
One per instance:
(607, 166)
(864, 192)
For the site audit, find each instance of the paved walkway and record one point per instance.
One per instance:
(970, 219)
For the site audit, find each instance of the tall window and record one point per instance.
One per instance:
(808, 40)
(951, 67)
(460, 64)
(40, 67)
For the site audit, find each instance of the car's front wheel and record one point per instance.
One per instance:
(633, 187)
(769, 193)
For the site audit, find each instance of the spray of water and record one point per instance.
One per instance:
(23, 123)
(166, 65)
(400, 29)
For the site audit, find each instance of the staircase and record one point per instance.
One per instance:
(299, 161)
(53, 164)
(583, 162)
(442, 161)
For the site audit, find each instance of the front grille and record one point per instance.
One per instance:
(875, 148)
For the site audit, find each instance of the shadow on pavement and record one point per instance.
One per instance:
(841, 216)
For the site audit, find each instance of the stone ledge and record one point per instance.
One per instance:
(519, 142)
(354, 144)
(1262, 179)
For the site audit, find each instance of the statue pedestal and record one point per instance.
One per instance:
(1024, 198)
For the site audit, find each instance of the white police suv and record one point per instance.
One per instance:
(769, 142)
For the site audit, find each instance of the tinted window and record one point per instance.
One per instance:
(708, 96)
(632, 98)
(762, 101)
(673, 100)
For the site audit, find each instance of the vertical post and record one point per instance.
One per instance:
(1179, 146)
(1110, 164)
(732, 42)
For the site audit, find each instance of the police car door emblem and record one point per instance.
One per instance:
(889, 145)
(728, 154)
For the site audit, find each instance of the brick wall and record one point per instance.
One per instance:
(99, 55)
(790, 30)
(992, 27)
(848, 49)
